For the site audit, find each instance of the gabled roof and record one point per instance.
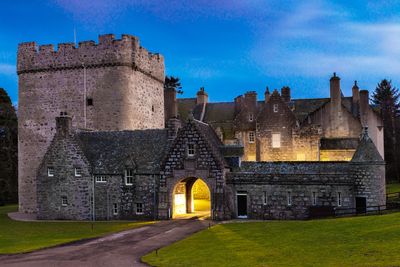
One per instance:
(108, 152)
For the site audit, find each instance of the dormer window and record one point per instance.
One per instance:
(190, 150)
(275, 107)
(129, 176)
(251, 117)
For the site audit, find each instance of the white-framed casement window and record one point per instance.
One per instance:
(139, 208)
(78, 172)
(251, 117)
(129, 176)
(276, 140)
(115, 209)
(50, 171)
(101, 179)
(289, 198)
(314, 198)
(275, 108)
(64, 201)
(252, 137)
(191, 150)
(339, 199)
(265, 198)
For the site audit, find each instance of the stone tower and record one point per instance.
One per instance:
(113, 85)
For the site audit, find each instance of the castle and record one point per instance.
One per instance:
(100, 138)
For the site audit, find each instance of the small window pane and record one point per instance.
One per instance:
(276, 140)
(129, 177)
(251, 117)
(265, 198)
(289, 198)
(115, 209)
(50, 171)
(339, 199)
(101, 179)
(314, 198)
(64, 201)
(139, 208)
(190, 149)
(252, 137)
(78, 172)
(275, 108)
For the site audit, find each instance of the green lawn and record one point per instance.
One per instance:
(16, 237)
(392, 188)
(356, 241)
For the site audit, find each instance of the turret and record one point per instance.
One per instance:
(202, 96)
(267, 94)
(336, 98)
(356, 93)
(285, 94)
(364, 107)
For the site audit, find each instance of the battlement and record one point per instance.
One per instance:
(108, 52)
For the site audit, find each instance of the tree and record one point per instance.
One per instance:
(8, 150)
(386, 97)
(172, 82)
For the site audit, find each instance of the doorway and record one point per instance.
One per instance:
(361, 204)
(241, 205)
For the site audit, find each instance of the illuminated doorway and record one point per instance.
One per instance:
(191, 198)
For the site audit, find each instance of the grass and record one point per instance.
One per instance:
(392, 188)
(17, 237)
(355, 241)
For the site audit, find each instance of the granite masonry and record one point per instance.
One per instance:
(100, 139)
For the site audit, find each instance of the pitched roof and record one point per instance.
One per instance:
(185, 106)
(108, 152)
(366, 151)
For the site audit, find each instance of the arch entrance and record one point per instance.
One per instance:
(191, 197)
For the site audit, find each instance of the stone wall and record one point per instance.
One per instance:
(124, 81)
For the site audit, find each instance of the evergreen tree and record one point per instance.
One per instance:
(172, 82)
(8, 150)
(386, 97)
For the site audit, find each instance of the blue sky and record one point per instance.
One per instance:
(227, 46)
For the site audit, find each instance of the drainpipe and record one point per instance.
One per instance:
(84, 95)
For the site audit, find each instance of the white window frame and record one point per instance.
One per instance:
(289, 198)
(339, 199)
(191, 150)
(275, 108)
(139, 206)
(251, 117)
(276, 143)
(78, 172)
(50, 171)
(314, 198)
(129, 177)
(64, 201)
(101, 179)
(265, 197)
(115, 209)
(252, 137)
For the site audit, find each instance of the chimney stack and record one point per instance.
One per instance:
(202, 96)
(285, 94)
(356, 93)
(238, 104)
(170, 104)
(63, 124)
(336, 97)
(267, 95)
(364, 107)
(250, 99)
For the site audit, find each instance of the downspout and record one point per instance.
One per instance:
(203, 111)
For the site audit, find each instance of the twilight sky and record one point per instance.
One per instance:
(227, 46)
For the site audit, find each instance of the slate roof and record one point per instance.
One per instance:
(108, 152)
(366, 151)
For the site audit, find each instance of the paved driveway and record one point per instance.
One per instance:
(120, 249)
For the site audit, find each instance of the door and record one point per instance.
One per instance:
(361, 204)
(242, 205)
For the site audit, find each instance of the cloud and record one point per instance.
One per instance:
(7, 69)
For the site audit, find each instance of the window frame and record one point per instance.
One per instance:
(190, 150)
(64, 204)
(339, 199)
(103, 178)
(289, 198)
(50, 171)
(265, 198)
(314, 198)
(130, 177)
(251, 117)
(273, 144)
(252, 137)
(115, 209)
(139, 208)
(275, 108)
(78, 172)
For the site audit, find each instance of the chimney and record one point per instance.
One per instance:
(336, 97)
(364, 107)
(63, 124)
(170, 104)
(267, 95)
(356, 93)
(238, 104)
(173, 126)
(285, 94)
(202, 96)
(250, 99)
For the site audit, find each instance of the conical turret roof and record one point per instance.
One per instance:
(366, 150)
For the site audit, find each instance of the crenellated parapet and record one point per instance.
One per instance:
(107, 52)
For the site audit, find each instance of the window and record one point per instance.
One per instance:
(190, 150)
(251, 117)
(89, 102)
(50, 171)
(265, 198)
(252, 137)
(115, 209)
(276, 140)
(139, 208)
(152, 108)
(275, 106)
(314, 198)
(78, 172)
(289, 198)
(129, 177)
(64, 201)
(339, 199)
(101, 179)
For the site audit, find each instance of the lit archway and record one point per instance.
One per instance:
(191, 197)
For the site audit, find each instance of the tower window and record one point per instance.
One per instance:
(50, 171)
(78, 172)
(339, 199)
(265, 198)
(89, 101)
(190, 150)
(289, 198)
(152, 108)
(64, 201)
(115, 209)
(314, 198)
(275, 106)
(251, 117)
(252, 137)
